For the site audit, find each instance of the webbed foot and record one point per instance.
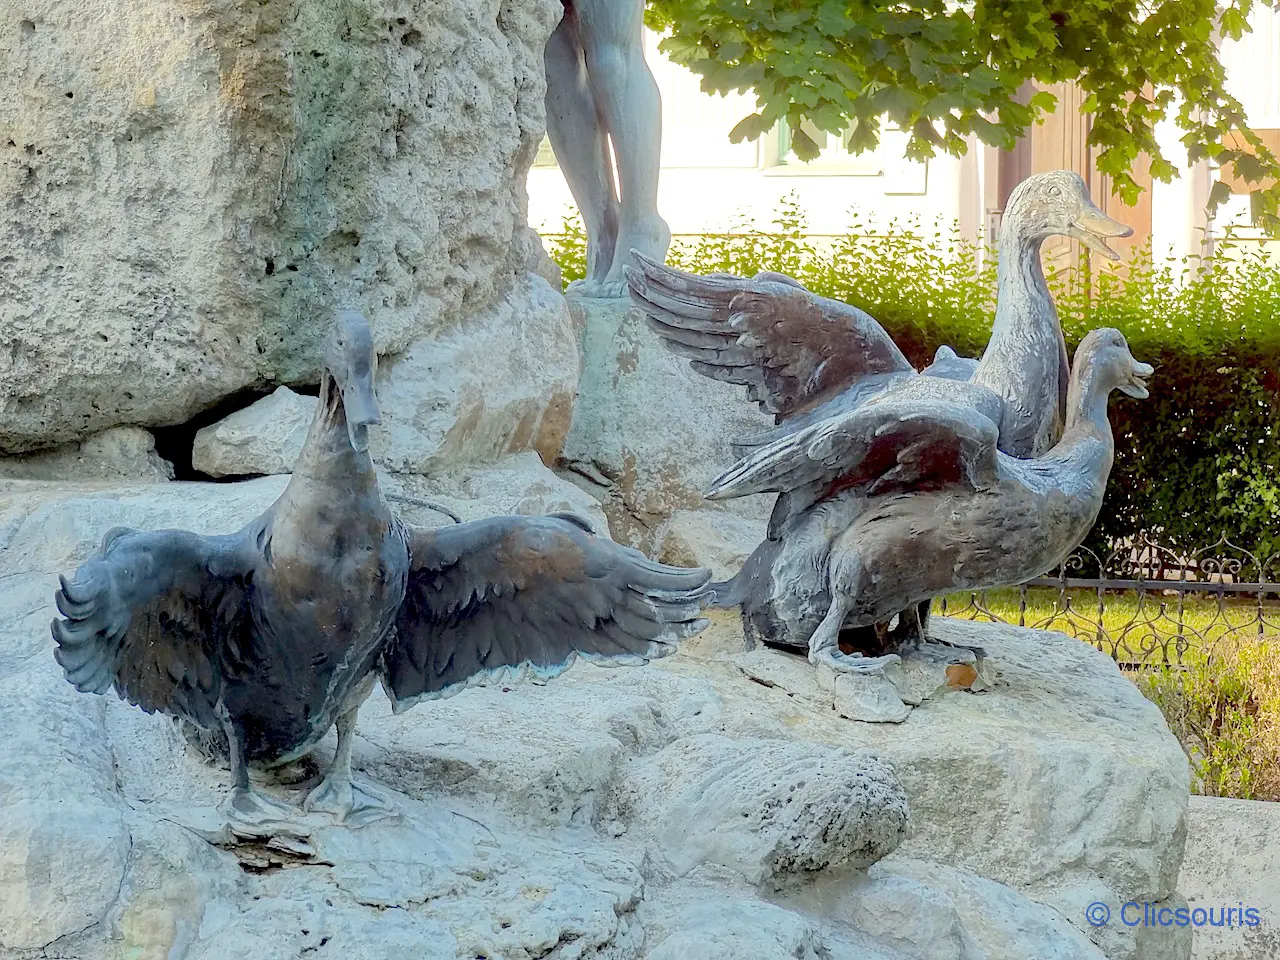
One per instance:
(351, 803)
(852, 662)
(254, 815)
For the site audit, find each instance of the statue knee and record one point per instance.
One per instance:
(609, 62)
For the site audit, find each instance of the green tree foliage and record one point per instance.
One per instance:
(1199, 458)
(945, 70)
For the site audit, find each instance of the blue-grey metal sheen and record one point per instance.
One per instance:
(865, 447)
(264, 639)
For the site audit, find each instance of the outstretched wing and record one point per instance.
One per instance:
(899, 443)
(792, 349)
(507, 592)
(153, 615)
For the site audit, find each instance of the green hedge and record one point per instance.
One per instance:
(1196, 460)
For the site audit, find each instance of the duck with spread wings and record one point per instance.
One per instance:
(266, 638)
(807, 359)
(948, 511)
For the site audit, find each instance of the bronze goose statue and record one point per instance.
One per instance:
(806, 358)
(268, 637)
(948, 510)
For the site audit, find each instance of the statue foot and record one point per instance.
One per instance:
(586, 287)
(854, 663)
(349, 802)
(598, 289)
(650, 236)
(254, 815)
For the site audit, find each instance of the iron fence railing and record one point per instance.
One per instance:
(1145, 604)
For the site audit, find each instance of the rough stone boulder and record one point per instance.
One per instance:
(648, 433)
(677, 810)
(766, 808)
(262, 439)
(188, 190)
(1233, 862)
(712, 537)
(121, 453)
(1060, 781)
(468, 394)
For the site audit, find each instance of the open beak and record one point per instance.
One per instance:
(360, 404)
(1136, 386)
(1094, 228)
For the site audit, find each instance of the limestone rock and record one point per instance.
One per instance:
(709, 537)
(554, 820)
(64, 843)
(1233, 859)
(173, 879)
(545, 753)
(540, 262)
(717, 929)
(872, 698)
(994, 922)
(51, 528)
(502, 382)
(1061, 781)
(920, 921)
(263, 438)
(193, 190)
(517, 484)
(768, 809)
(653, 430)
(121, 453)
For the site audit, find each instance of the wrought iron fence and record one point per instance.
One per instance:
(1145, 604)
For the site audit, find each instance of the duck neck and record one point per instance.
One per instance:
(328, 454)
(1025, 316)
(1087, 407)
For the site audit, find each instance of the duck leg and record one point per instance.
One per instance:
(337, 793)
(248, 812)
(913, 626)
(824, 645)
(916, 634)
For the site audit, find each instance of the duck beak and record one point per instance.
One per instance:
(1136, 386)
(360, 404)
(1094, 228)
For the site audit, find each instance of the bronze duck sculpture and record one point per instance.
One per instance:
(261, 640)
(806, 358)
(948, 510)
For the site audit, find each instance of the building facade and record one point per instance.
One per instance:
(710, 185)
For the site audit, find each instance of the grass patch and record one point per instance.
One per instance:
(1212, 669)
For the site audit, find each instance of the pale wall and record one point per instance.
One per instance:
(711, 185)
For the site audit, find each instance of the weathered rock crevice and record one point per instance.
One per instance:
(227, 173)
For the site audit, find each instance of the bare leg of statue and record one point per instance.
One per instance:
(608, 35)
(581, 147)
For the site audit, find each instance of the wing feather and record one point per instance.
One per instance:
(154, 615)
(511, 593)
(898, 444)
(791, 348)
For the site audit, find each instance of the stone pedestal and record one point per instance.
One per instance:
(677, 810)
(649, 434)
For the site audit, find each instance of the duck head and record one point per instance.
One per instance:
(350, 362)
(1105, 354)
(1058, 204)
